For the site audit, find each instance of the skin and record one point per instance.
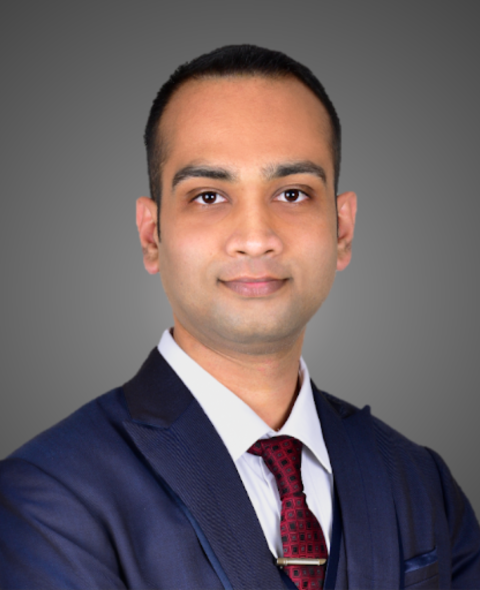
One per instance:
(250, 234)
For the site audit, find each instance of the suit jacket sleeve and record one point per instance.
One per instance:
(464, 530)
(49, 539)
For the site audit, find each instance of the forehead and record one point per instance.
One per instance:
(234, 117)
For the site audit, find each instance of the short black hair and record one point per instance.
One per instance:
(232, 60)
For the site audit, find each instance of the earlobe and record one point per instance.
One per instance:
(346, 213)
(147, 232)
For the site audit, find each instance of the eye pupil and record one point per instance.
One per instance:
(209, 197)
(292, 195)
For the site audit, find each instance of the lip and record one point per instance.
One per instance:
(255, 286)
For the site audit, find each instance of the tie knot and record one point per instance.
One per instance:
(283, 457)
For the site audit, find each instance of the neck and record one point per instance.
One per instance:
(267, 383)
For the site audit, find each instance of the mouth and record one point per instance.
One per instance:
(255, 287)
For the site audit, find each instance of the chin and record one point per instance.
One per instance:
(258, 336)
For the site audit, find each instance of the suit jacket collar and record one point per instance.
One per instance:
(370, 557)
(179, 441)
(176, 437)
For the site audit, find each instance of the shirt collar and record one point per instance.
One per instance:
(236, 423)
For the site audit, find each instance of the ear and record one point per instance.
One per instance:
(346, 213)
(147, 231)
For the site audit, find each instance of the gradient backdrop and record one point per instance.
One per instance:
(400, 330)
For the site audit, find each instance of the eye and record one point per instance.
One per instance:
(292, 195)
(209, 198)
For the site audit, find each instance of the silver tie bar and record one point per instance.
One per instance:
(283, 561)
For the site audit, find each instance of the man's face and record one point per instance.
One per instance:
(249, 244)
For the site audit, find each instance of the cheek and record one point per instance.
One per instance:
(183, 261)
(319, 247)
(318, 259)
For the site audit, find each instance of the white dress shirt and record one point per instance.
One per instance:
(239, 427)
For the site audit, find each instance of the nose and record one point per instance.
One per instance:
(254, 232)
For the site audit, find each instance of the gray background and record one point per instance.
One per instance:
(79, 312)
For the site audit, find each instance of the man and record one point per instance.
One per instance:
(220, 456)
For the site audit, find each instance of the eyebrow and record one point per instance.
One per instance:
(290, 168)
(270, 172)
(202, 172)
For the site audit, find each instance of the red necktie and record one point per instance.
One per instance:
(302, 535)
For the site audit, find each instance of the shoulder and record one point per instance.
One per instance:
(419, 477)
(73, 470)
(57, 497)
(415, 471)
(431, 509)
(74, 450)
(99, 418)
(390, 443)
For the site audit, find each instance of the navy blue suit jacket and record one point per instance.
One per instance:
(137, 490)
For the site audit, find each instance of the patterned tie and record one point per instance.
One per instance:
(302, 535)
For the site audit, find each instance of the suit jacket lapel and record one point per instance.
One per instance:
(176, 437)
(370, 552)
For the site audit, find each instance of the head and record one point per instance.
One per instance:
(228, 61)
(252, 227)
